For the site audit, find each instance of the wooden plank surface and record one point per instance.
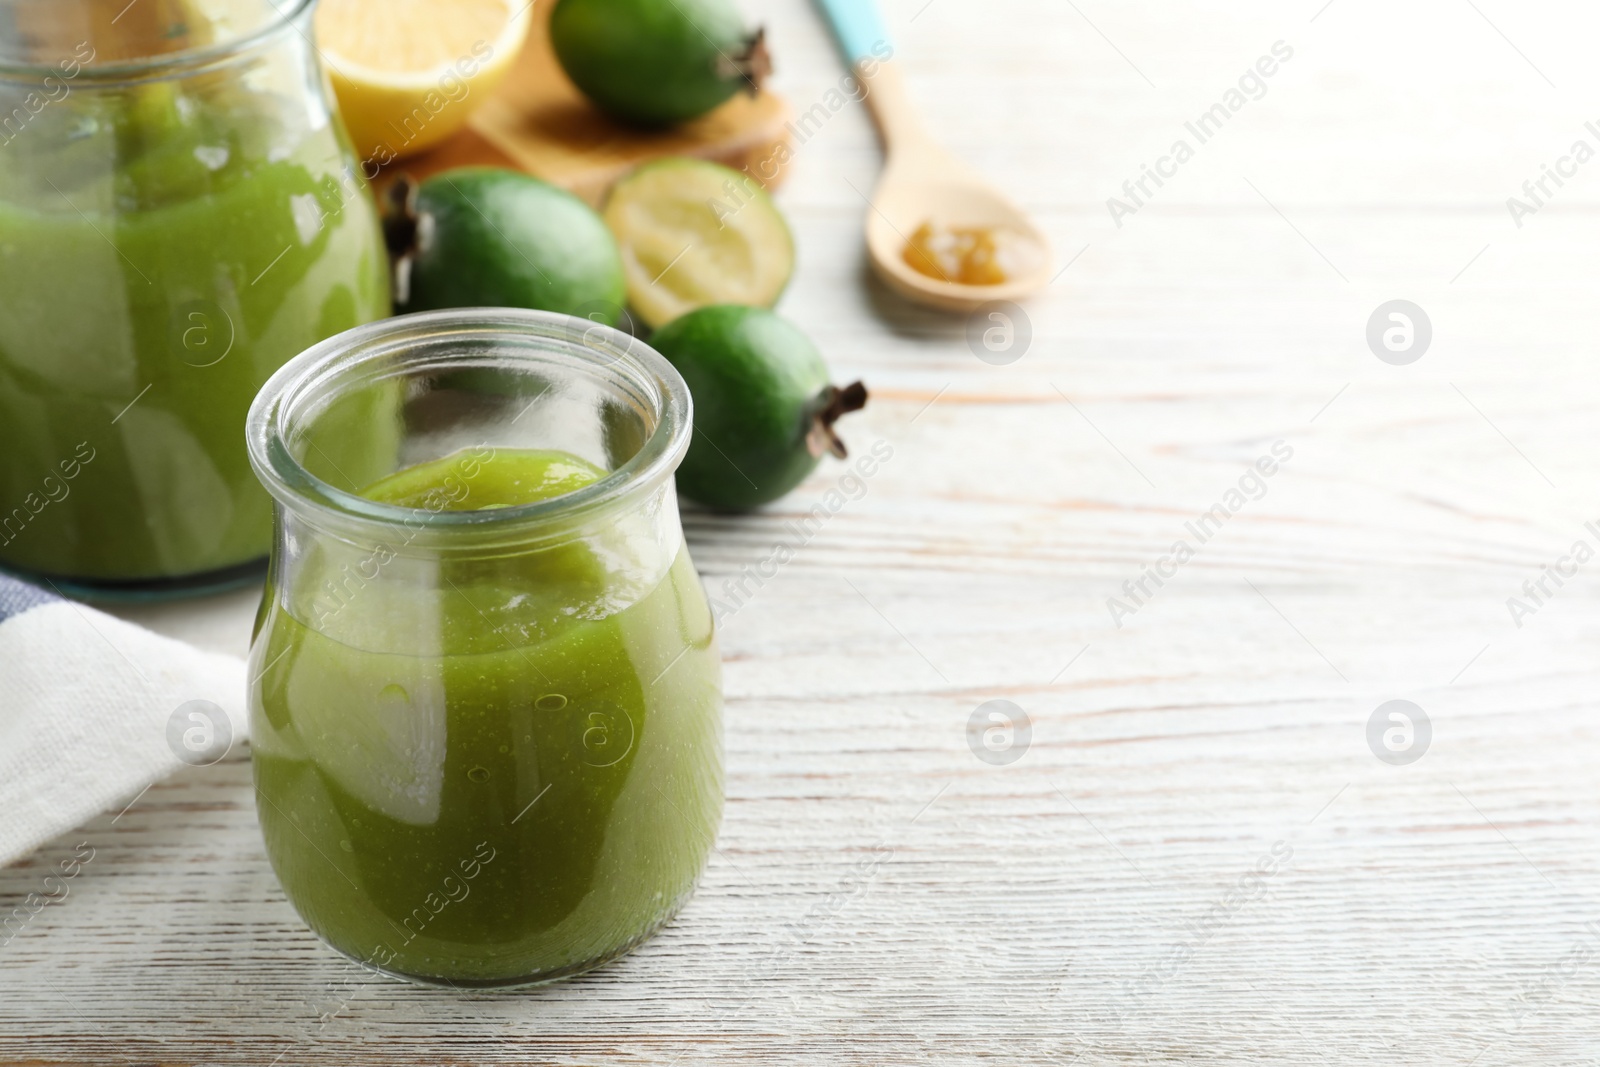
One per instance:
(879, 895)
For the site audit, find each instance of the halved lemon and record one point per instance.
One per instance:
(408, 73)
(694, 233)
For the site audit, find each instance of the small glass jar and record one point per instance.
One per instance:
(180, 213)
(486, 741)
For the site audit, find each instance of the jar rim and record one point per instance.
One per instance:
(184, 61)
(292, 485)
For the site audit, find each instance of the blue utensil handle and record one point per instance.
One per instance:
(858, 27)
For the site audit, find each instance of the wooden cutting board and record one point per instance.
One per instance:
(538, 121)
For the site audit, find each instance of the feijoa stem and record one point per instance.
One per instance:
(753, 62)
(400, 226)
(832, 404)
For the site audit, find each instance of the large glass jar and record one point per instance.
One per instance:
(486, 735)
(180, 213)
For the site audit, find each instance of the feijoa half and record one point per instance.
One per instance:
(693, 234)
(657, 62)
(489, 237)
(763, 407)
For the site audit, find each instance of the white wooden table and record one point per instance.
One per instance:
(880, 895)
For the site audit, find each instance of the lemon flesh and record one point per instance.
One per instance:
(409, 73)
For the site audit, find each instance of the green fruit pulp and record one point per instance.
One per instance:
(693, 234)
(496, 238)
(755, 381)
(650, 62)
(164, 247)
(505, 776)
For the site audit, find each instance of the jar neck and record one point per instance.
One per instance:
(419, 388)
(96, 43)
(358, 590)
(646, 509)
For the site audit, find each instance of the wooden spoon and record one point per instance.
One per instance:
(922, 182)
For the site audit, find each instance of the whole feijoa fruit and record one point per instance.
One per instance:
(657, 62)
(489, 237)
(763, 407)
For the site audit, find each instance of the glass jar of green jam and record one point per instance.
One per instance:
(180, 213)
(486, 707)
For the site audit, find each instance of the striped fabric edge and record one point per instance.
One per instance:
(17, 597)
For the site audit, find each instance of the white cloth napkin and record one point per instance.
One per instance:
(93, 710)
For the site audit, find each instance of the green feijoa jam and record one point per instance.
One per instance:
(165, 246)
(507, 775)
